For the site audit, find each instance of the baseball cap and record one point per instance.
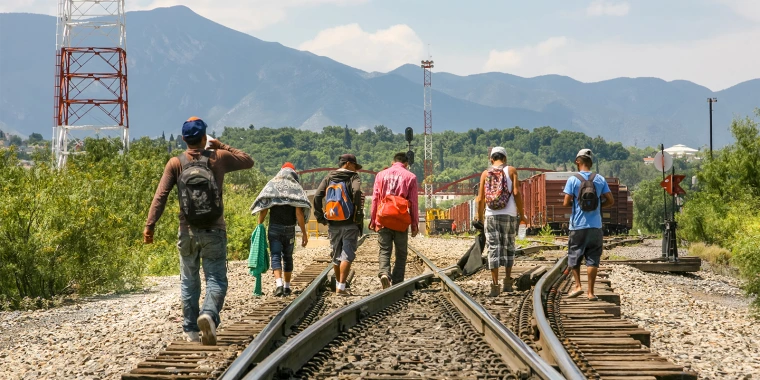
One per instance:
(288, 165)
(194, 129)
(585, 153)
(349, 158)
(499, 149)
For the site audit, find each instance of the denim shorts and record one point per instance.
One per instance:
(587, 243)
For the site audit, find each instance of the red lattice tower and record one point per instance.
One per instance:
(427, 67)
(91, 74)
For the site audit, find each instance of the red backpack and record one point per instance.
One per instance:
(393, 213)
(497, 189)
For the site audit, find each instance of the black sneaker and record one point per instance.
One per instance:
(287, 291)
(278, 292)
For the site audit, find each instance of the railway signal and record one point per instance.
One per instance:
(671, 184)
(664, 162)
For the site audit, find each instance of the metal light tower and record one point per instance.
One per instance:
(91, 74)
(428, 114)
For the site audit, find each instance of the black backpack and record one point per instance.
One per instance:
(587, 198)
(199, 196)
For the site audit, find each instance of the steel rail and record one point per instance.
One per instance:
(298, 350)
(279, 327)
(511, 348)
(550, 343)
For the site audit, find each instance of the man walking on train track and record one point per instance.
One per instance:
(499, 198)
(587, 193)
(289, 205)
(338, 203)
(394, 209)
(199, 176)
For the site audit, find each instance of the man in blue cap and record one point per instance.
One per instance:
(198, 173)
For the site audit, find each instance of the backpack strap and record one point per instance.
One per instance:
(205, 157)
(580, 178)
(183, 161)
(591, 177)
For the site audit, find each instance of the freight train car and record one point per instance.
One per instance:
(462, 215)
(544, 195)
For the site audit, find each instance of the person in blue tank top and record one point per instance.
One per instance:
(586, 238)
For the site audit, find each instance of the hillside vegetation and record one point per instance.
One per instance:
(80, 229)
(725, 209)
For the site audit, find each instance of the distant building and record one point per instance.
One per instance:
(682, 151)
(649, 160)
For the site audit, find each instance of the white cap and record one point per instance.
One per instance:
(499, 149)
(585, 153)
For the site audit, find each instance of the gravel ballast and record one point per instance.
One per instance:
(699, 320)
(101, 337)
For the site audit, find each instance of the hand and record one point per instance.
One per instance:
(213, 143)
(304, 240)
(524, 219)
(372, 226)
(415, 230)
(148, 236)
(322, 221)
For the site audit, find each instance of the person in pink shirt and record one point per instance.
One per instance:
(394, 203)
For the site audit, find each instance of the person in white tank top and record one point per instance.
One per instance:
(501, 224)
(511, 208)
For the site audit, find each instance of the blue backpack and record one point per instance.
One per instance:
(338, 205)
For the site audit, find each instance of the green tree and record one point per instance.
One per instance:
(648, 206)
(15, 140)
(347, 138)
(34, 139)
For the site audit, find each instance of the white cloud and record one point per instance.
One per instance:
(246, 16)
(749, 9)
(514, 58)
(383, 50)
(716, 62)
(608, 8)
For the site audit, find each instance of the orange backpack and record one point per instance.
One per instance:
(393, 213)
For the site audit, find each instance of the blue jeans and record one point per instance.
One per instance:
(281, 243)
(211, 246)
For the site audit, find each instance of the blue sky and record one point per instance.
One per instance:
(711, 42)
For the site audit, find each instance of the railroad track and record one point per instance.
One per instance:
(425, 327)
(588, 339)
(186, 360)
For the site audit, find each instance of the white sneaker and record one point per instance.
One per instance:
(208, 327)
(192, 336)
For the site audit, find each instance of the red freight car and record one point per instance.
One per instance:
(544, 195)
(461, 216)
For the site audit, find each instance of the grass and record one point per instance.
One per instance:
(719, 258)
(711, 253)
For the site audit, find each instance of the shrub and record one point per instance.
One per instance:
(746, 256)
(80, 229)
(711, 253)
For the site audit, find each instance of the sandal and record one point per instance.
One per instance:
(574, 294)
(594, 298)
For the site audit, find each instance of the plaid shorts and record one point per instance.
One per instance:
(500, 237)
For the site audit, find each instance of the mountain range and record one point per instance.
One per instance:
(181, 64)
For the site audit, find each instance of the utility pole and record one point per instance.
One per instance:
(711, 101)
